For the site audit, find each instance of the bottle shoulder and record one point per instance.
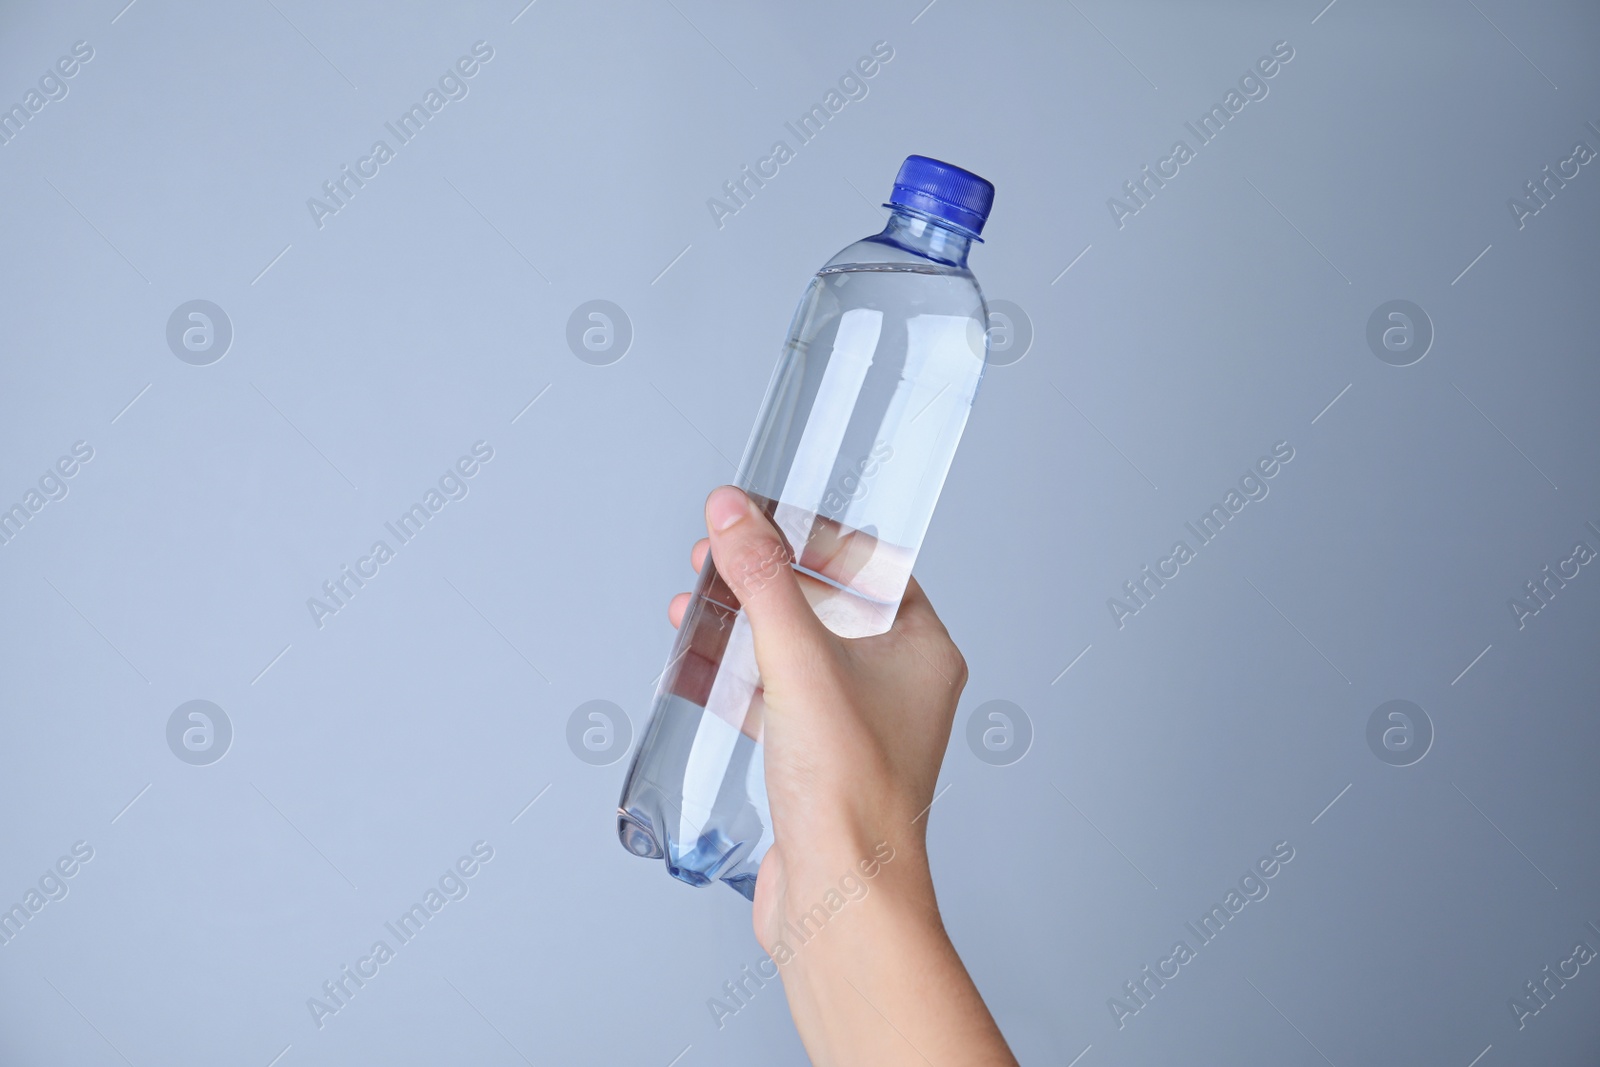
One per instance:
(873, 272)
(880, 253)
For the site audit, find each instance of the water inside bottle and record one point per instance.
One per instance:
(848, 457)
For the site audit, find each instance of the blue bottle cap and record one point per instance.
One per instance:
(948, 193)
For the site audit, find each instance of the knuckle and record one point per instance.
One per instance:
(954, 663)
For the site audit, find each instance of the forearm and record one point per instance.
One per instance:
(881, 983)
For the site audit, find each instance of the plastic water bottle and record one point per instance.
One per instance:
(848, 455)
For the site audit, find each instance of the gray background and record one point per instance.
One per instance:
(371, 353)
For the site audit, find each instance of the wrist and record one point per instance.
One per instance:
(884, 956)
(835, 903)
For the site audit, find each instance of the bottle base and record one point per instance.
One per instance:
(710, 858)
(696, 796)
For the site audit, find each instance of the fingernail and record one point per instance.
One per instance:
(725, 507)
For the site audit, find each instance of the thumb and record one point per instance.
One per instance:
(753, 558)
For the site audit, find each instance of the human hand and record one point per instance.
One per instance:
(854, 731)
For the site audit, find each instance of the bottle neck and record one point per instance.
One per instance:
(927, 236)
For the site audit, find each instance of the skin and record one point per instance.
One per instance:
(854, 732)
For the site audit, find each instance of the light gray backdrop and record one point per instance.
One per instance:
(1441, 460)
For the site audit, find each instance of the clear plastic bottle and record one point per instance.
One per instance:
(848, 456)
